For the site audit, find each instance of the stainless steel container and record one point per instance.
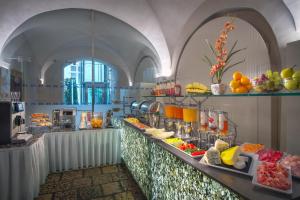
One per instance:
(65, 118)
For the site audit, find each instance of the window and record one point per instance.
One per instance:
(79, 86)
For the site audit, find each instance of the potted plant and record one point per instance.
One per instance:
(222, 58)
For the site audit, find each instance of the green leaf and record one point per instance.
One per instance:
(232, 48)
(227, 63)
(230, 66)
(207, 60)
(212, 78)
(235, 52)
(211, 48)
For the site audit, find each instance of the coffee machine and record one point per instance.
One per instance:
(12, 120)
(18, 117)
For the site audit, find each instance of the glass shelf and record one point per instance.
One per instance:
(253, 94)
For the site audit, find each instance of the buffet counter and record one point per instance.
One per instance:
(23, 169)
(163, 172)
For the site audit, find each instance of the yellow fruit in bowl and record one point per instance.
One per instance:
(249, 86)
(234, 84)
(245, 80)
(241, 90)
(96, 123)
(237, 75)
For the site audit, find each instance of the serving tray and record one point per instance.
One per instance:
(248, 170)
(290, 191)
(198, 156)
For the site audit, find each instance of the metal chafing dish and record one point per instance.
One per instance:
(147, 111)
(134, 108)
(144, 110)
(155, 113)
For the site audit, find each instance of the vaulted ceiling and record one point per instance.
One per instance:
(125, 30)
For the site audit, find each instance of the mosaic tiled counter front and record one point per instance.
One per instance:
(161, 175)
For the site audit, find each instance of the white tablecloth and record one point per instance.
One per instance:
(81, 149)
(24, 169)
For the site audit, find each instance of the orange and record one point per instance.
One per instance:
(237, 75)
(234, 84)
(241, 89)
(249, 86)
(233, 90)
(245, 80)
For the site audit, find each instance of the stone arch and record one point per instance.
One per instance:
(257, 21)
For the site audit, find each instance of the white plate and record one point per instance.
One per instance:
(152, 131)
(250, 171)
(163, 135)
(290, 191)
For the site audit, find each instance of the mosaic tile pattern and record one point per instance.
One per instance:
(101, 183)
(163, 176)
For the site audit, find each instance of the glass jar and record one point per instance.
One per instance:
(213, 120)
(83, 120)
(223, 122)
(203, 120)
(177, 89)
(97, 120)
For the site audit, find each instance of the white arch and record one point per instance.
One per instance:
(275, 12)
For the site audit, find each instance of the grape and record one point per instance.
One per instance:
(276, 74)
(269, 74)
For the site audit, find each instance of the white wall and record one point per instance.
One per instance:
(290, 107)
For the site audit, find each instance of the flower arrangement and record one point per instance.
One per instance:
(223, 58)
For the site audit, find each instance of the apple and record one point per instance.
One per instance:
(287, 72)
(296, 76)
(290, 84)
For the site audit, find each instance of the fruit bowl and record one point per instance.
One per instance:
(96, 123)
(266, 85)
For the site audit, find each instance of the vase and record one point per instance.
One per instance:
(218, 89)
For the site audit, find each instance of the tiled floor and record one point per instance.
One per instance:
(101, 183)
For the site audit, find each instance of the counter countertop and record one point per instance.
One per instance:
(238, 183)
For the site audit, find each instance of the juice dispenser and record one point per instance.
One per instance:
(190, 119)
(169, 121)
(178, 115)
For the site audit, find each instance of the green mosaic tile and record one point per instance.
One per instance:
(162, 175)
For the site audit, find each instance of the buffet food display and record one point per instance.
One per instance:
(224, 157)
(293, 162)
(249, 148)
(273, 176)
(135, 122)
(186, 147)
(159, 133)
(97, 120)
(40, 119)
(268, 168)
